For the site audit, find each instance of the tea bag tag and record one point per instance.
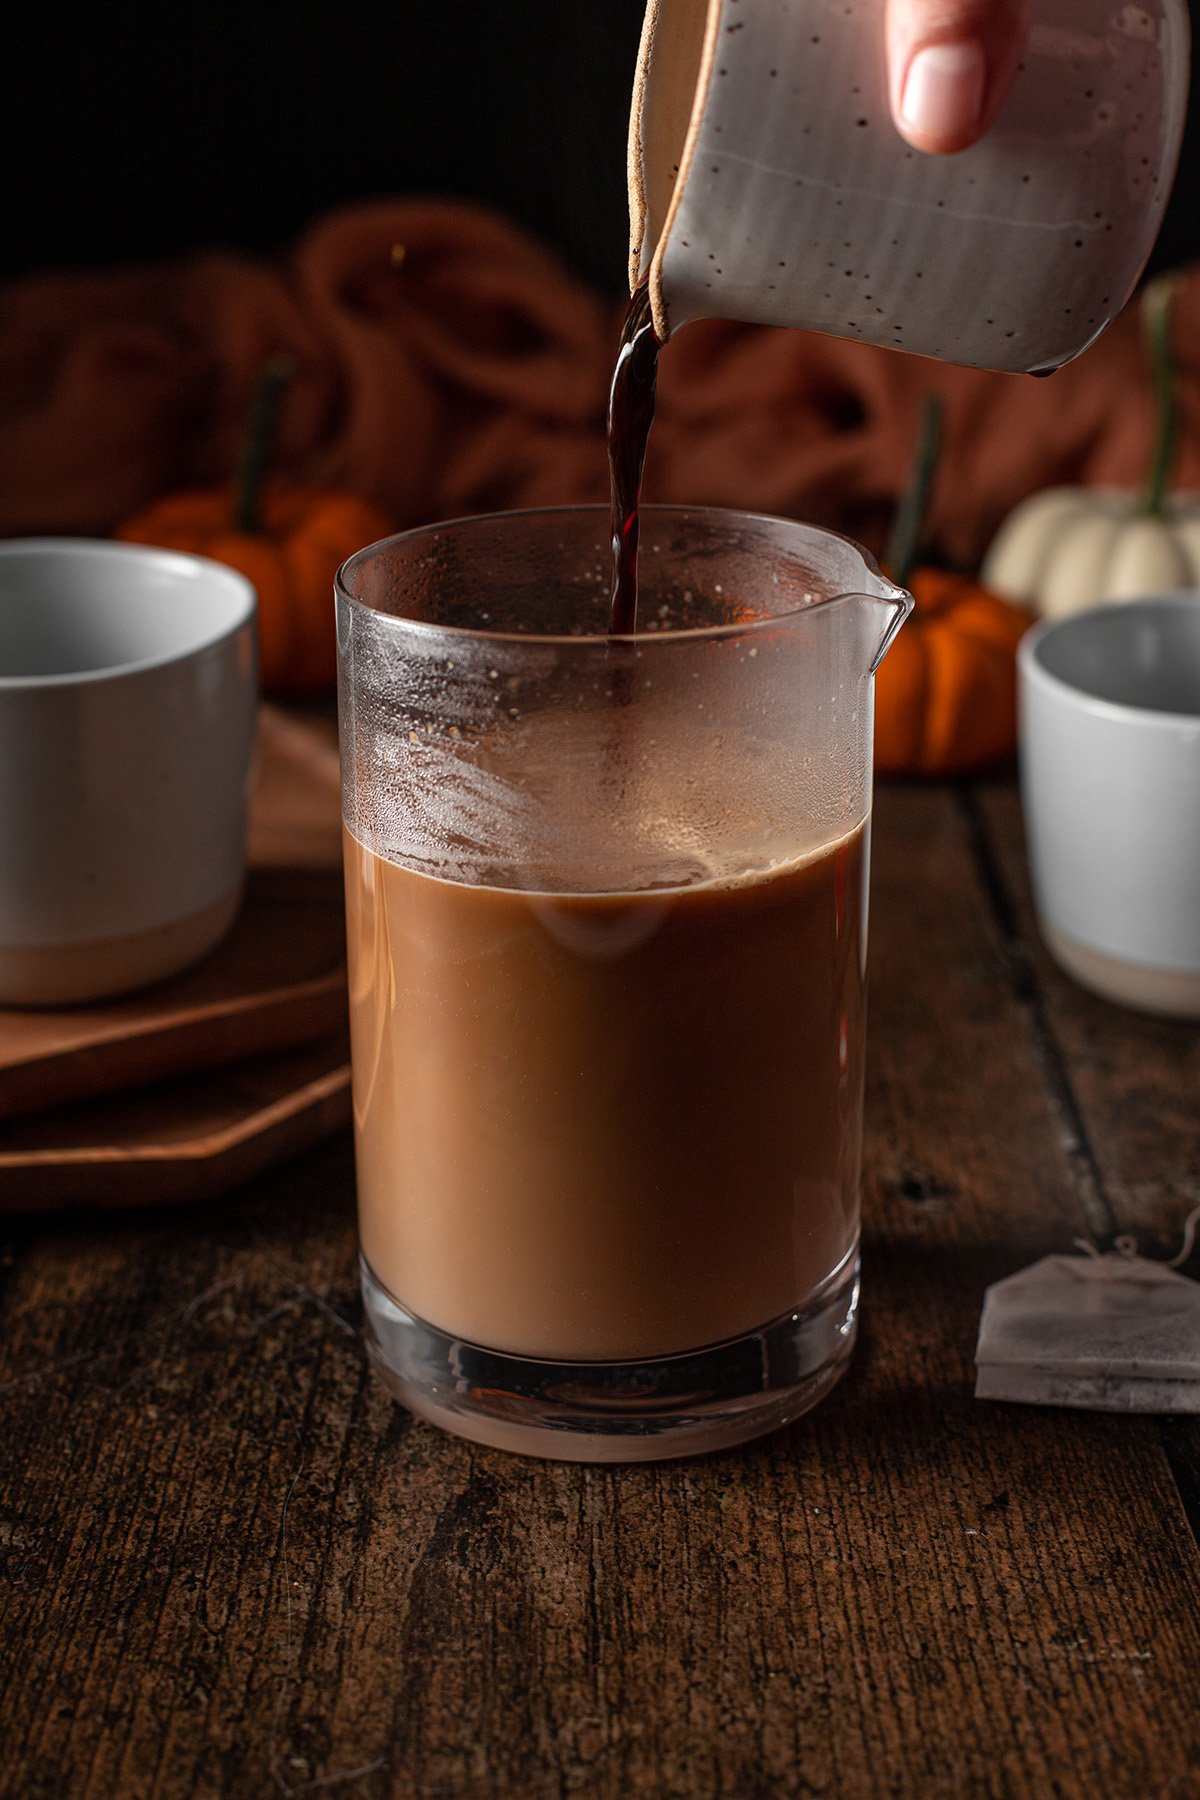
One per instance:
(1111, 1333)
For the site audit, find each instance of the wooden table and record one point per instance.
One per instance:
(234, 1568)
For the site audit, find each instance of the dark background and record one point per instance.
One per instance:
(139, 131)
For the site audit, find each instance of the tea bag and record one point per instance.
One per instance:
(1112, 1333)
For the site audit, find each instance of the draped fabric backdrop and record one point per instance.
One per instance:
(446, 363)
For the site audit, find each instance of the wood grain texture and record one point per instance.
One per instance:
(234, 1569)
(1130, 1086)
(177, 1141)
(1134, 1080)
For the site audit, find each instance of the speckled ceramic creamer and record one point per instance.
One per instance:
(768, 183)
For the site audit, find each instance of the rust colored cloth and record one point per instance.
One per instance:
(447, 364)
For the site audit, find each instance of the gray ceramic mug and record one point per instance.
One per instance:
(1110, 784)
(128, 689)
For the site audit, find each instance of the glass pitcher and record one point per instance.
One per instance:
(607, 933)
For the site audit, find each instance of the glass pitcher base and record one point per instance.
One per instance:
(644, 1411)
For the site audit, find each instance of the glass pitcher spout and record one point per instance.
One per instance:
(891, 605)
(879, 609)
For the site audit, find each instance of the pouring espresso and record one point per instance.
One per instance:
(768, 183)
(630, 416)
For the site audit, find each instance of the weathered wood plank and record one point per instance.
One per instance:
(1135, 1080)
(1132, 1087)
(232, 1568)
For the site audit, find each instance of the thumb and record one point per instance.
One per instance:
(950, 64)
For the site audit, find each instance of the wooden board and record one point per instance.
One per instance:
(176, 1141)
(296, 806)
(234, 1568)
(279, 978)
(276, 980)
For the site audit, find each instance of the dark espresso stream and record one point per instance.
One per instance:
(630, 416)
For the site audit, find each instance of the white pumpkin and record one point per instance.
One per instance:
(1068, 548)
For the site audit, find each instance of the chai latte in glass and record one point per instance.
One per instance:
(607, 1127)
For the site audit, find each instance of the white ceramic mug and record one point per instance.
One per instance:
(128, 688)
(1110, 784)
(767, 181)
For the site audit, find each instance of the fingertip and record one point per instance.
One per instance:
(931, 144)
(942, 90)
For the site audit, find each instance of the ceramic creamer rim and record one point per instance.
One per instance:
(1034, 672)
(240, 590)
(882, 588)
(638, 209)
(634, 174)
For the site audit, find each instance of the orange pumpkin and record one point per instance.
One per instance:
(946, 692)
(288, 542)
(302, 537)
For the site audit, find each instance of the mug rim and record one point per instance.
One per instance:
(55, 549)
(1034, 672)
(885, 590)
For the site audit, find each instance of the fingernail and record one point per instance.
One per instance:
(943, 90)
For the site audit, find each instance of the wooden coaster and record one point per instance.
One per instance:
(176, 1141)
(277, 980)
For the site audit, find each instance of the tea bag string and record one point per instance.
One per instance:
(1127, 1247)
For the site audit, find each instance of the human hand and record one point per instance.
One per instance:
(950, 64)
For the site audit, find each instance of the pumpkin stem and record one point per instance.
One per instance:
(1157, 302)
(909, 522)
(259, 443)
